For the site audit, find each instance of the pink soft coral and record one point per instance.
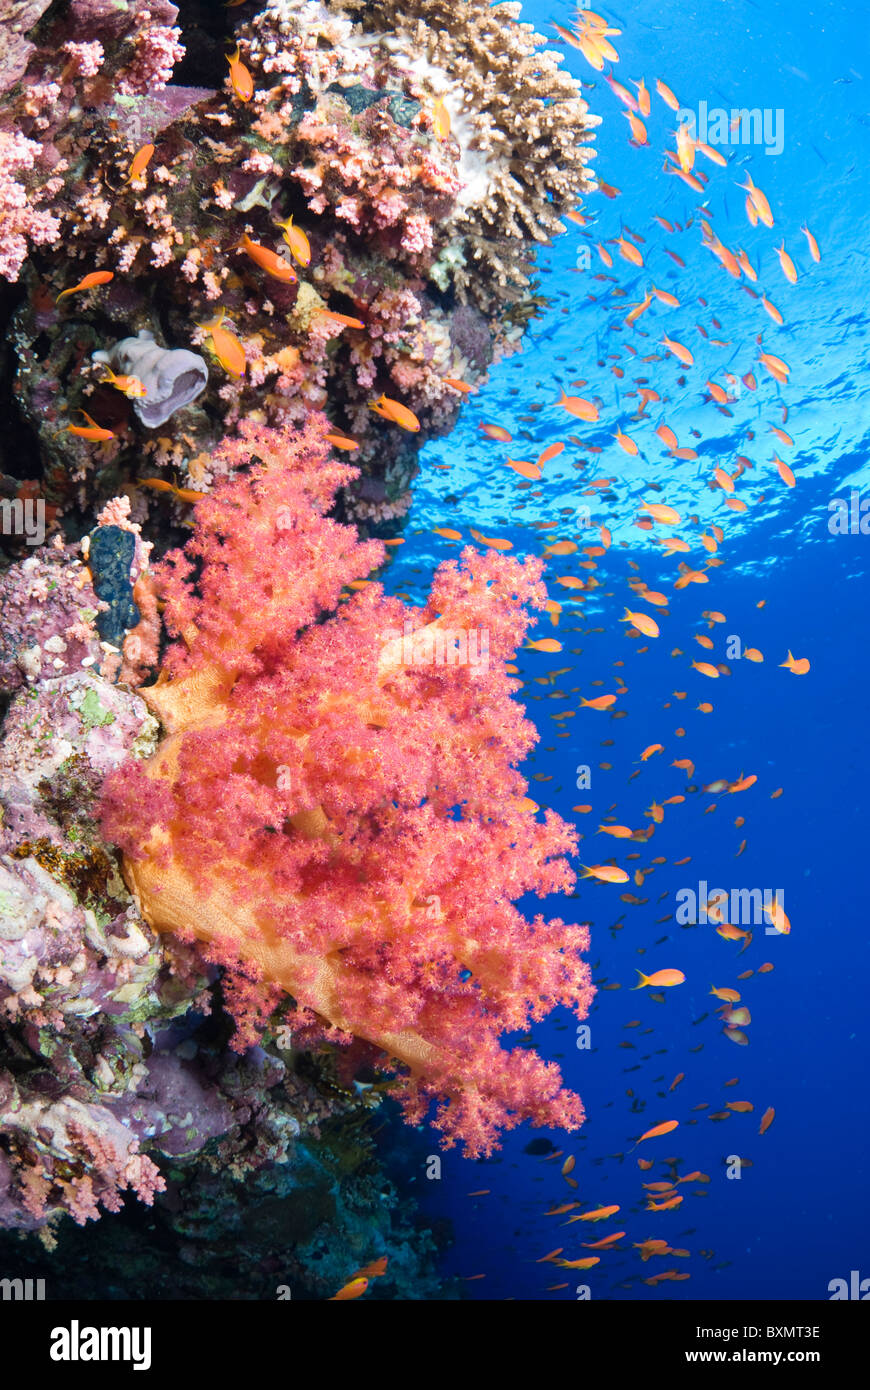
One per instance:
(342, 823)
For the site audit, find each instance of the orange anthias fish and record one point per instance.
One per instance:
(605, 873)
(643, 622)
(300, 247)
(776, 912)
(628, 251)
(93, 432)
(812, 243)
(96, 277)
(496, 432)
(660, 512)
(131, 386)
(757, 201)
(461, 386)
(798, 666)
(353, 1289)
(440, 120)
(184, 494)
(600, 702)
(240, 78)
(341, 441)
(778, 369)
(658, 1130)
(667, 95)
(662, 979)
(543, 644)
(375, 1270)
(787, 264)
(767, 1120)
(226, 346)
(344, 320)
(576, 405)
(393, 410)
(267, 260)
(139, 163)
(681, 353)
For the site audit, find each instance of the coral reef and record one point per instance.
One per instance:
(422, 152)
(342, 825)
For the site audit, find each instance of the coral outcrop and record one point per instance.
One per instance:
(422, 150)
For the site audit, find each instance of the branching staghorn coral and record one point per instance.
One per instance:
(336, 814)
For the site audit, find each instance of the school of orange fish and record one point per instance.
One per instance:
(673, 534)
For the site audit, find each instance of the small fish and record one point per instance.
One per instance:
(269, 261)
(812, 243)
(525, 468)
(767, 1120)
(131, 386)
(96, 277)
(344, 320)
(787, 264)
(461, 386)
(757, 201)
(662, 979)
(679, 351)
(354, 1289)
(643, 622)
(667, 95)
(544, 644)
(396, 412)
(300, 247)
(625, 442)
(440, 120)
(496, 432)
(666, 1128)
(798, 666)
(576, 405)
(776, 912)
(139, 163)
(628, 251)
(226, 346)
(660, 512)
(184, 494)
(494, 542)
(92, 432)
(605, 873)
(242, 84)
(341, 441)
(600, 702)
(599, 1214)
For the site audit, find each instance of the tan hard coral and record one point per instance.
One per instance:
(522, 125)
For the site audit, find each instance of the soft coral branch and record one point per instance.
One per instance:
(348, 826)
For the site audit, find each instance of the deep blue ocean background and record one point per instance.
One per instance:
(798, 1217)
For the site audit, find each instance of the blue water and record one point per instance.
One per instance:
(798, 1216)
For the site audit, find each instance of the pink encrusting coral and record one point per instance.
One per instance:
(22, 224)
(336, 810)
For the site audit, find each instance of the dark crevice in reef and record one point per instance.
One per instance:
(206, 32)
(19, 444)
